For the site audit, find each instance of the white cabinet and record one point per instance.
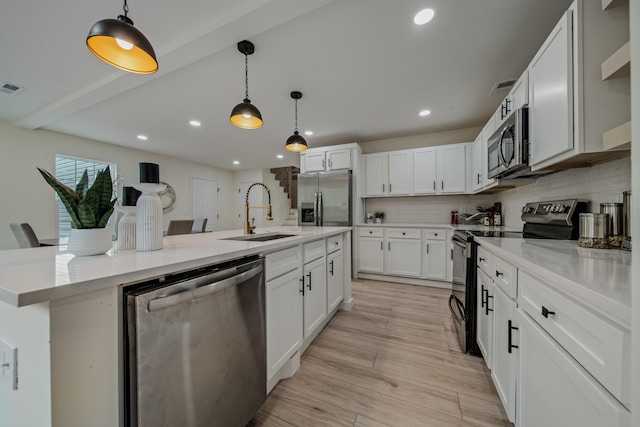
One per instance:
(477, 153)
(370, 250)
(334, 272)
(517, 97)
(403, 252)
(315, 293)
(283, 307)
(555, 390)
(551, 94)
(389, 174)
(435, 262)
(505, 350)
(325, 159)
(440, 170)
(484, 318)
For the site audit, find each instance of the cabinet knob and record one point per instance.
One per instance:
(481, 259)
(546, 312)
(404, 234)
(370, 232)
(435, 234)
(498, 274)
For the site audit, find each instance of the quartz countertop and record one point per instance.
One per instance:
(597, 278)
(447, 226)
(35, 275)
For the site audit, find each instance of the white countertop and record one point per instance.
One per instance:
(35, 275)
(598, 278)
(447, 226)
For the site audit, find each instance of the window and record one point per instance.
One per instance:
(69, 170)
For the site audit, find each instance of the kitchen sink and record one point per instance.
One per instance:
(260, 237)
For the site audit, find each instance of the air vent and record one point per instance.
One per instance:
(10, 88)
(502, 87)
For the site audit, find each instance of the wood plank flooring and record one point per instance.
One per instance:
(393, 360)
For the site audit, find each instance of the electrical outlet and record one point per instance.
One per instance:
(8, 365)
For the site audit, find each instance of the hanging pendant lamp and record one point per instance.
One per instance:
(119, 43)
(245, 115)
(296, 142)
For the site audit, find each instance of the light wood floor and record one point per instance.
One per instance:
(392, 361)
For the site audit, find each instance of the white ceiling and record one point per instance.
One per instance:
(364, 68)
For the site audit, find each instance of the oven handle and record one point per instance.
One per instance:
(459, 307)
(465, 246)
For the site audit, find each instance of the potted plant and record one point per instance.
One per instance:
(379, 215)
(89, 208)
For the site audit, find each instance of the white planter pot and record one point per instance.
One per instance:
(89, 241)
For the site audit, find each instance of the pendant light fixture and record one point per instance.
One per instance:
(119, 43)
(245, 115)
(296, 142)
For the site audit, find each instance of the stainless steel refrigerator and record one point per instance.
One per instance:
(324, 198)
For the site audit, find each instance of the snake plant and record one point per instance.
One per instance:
(88, 207)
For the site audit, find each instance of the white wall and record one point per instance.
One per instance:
(26, 197)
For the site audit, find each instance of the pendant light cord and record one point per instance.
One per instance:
(246, 76)
(296, 130)
(125, 7)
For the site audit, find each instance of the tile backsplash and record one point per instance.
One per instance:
(598, 184)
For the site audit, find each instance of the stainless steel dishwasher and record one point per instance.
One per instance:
(195, 347)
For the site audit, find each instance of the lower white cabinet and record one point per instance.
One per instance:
(334, 279)
(505, 350)
(484, 323)
(371, 254)
(554, 390)
(434, 261)
(403, 257)
(284, 319)
(315, 294)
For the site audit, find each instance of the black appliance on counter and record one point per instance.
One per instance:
(543, 220)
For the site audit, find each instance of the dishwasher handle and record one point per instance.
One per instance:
(169, 300)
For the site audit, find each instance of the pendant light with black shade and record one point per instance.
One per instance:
(119, 43)
(245, 115)
(296, 142)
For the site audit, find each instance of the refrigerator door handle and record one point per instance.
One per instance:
(315, 208)
(320, 208)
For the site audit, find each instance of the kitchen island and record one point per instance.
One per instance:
(64, 316)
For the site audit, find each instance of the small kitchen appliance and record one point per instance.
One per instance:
(594, 230)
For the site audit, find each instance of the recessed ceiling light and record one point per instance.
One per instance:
(424, 16)
(280, 156)
(235, 162)
(308, 132)
(424, 113)
(195, 123)
(143, 137)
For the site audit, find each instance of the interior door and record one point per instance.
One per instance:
(204, 201)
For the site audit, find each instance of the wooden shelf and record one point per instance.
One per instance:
(619, 64)
(610, 4)
(618, 138)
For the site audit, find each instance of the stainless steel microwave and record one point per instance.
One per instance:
(508, 147)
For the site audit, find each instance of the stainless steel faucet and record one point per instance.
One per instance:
(248, 228)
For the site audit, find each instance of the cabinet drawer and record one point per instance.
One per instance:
(403, 233)
(485, 261)
(370, 232)
(601, 348)
(334, 243)
(313, 250)
(279, 263)
(434, 234)
(505, 275)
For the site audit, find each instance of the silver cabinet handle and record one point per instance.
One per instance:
(383, 188)
(389, 245)
(434, 186)
(323, 164)
(330, 164)
(442, 185)
(427, 248)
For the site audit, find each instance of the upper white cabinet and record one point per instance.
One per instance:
(389, 174)
(518, 97)
(440, 170)
(329, 158)
(570, 106)
(477, 153)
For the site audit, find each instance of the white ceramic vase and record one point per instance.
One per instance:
(149, 226)
(127, 228)
(89, 241)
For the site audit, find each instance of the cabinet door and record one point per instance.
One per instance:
(435, 259)
(284, 319)
(551, 95)
(451, 174)
(424, 171)
(484, 329)
(519, 94)
(505, 334)
(400, 172)
(315, 295)
(375, 174)
(476, 164)
(554, 390)
(313, 162)
(338, 159)
(403, 257)
(334, 280)
(370, 255)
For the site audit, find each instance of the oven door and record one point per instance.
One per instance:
(458, 296)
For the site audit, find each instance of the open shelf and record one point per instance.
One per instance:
(610, 4)
(618, 138)
(619, 64)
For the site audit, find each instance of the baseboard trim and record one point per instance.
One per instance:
(405, 280)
